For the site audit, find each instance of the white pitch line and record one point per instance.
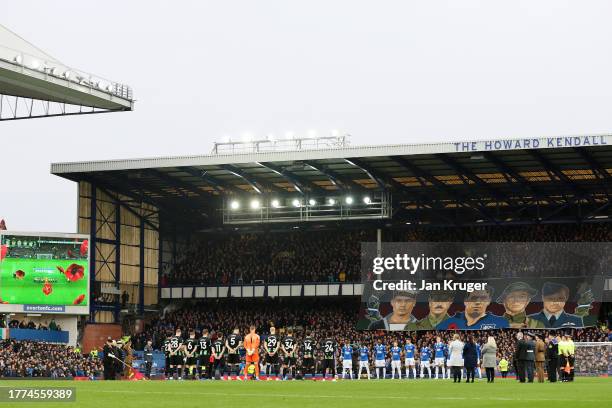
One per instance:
(373, 397)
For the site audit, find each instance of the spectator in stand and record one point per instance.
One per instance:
(334, 256)
(38, 359)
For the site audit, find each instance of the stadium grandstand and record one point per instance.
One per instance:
(34, 84)
(254, 234)
(172, 227)
(251, 263)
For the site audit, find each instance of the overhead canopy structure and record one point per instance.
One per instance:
(140, 212)
(35, 84)
(568, 179)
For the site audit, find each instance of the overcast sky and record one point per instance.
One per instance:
(385, 71)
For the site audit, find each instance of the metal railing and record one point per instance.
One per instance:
(56, 69)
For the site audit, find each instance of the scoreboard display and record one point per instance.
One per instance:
(44, 273)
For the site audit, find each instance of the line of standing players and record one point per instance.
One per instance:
(205, 358)
(426, 356)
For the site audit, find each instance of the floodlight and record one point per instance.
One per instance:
(296, 202)
(255, 204)
(367, 200)
(312, 202)
(234, 205)
(275, 203)
(348, 200)
(331, 201)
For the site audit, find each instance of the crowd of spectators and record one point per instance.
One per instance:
(334, 256)
(26, 358)
(324, 317)
(323, 256)
(31, 325)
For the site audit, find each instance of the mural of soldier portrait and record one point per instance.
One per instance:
(403, 303)
(439, 303)
(553, 315)
(515, 299)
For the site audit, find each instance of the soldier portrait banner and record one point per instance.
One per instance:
(482, 286)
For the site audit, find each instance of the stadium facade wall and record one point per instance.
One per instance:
(40, 335)
(125, 247)
(273, 290)
(95, 335)
(68, 324)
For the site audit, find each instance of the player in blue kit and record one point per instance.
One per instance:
(439, 355)
(409, 351)
(347, 360)
(364, 361)
(396, 361)
(478, 360)
(380, 352)
(425, 361)
(447, 354)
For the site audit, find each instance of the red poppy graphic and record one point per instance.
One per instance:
(79, 300)
(3, 251)
(47, 288)
(19, 274)
(84, 247)
(74, 272)
(452, 326)
(4, 302)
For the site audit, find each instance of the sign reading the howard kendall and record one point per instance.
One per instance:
(482, 286)
(531, 143)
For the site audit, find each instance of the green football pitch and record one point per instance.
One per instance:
(29, 289)
(584, 392)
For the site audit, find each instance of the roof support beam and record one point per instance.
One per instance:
(299, 183)
(600, 172)
(510, 175)
(179, 185)
(461, 200)
(139, 186)
(255, 184)
(368, 170)
(452, 163)
(335, 178)
(560, 175)
(213, 182)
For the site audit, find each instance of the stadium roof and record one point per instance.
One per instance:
(29, 74)
(488, 181)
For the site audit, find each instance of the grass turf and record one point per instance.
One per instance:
(26, 291)
(584, 392)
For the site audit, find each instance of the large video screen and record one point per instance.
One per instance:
(44, 273)
(482, 286)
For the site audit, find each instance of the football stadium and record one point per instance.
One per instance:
(307, 271)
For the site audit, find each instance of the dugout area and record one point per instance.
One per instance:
(140, 212)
